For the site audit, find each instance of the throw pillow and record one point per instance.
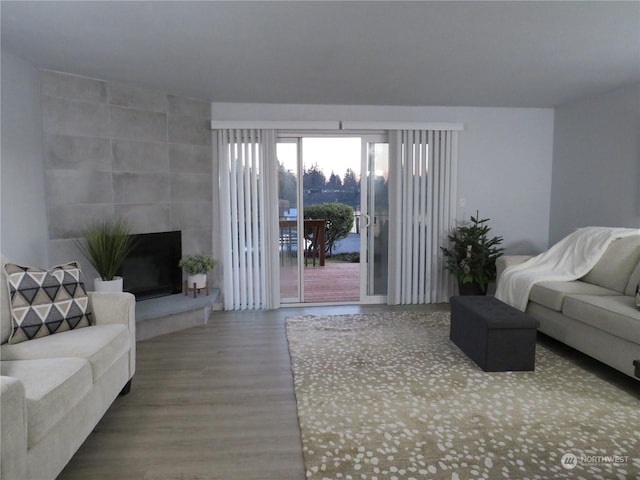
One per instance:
(44, 302)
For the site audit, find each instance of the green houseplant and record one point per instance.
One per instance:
(471, 257)
(197, 266)
(106, 244)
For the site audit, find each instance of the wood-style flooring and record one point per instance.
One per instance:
(217, 402)
(207, 403)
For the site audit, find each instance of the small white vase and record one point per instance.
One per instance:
(200, 279)
(114, 285)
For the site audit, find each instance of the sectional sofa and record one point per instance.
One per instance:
(56, 387)
(597, 313)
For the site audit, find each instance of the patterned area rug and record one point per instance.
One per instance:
(388, 396)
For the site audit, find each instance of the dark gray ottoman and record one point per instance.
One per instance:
(493, 334)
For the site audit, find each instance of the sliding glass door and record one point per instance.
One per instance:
(288, 154)
(323, 257)
(374, 220)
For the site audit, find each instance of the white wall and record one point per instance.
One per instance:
(505, 158)
(23, 220)
(596, 166)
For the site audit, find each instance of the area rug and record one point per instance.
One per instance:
(388, 396)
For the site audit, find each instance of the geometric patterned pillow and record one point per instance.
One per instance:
(44, 302)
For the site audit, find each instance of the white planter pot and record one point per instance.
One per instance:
(200, 279)
(114, 285)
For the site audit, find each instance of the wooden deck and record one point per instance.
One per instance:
(335, 282)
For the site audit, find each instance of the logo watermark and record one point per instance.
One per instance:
(571, 461)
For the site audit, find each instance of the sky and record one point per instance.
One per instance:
(331, 154)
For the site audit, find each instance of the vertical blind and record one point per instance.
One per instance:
(423, 179)
(248, 197)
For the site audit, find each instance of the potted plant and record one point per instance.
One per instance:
(106, 244)
(196, 266)
(472, 256)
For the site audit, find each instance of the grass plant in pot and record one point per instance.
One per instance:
(471, 256)
(196, 267)
(106, 244)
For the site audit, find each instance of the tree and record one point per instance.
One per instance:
(313, 178)
(350, 180)
(287, 182)
(334, 182)
(339, 218)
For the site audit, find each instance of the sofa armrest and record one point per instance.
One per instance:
(111, 308)
(507, 261)
(13, 429)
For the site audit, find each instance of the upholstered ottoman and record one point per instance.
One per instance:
(493, 334)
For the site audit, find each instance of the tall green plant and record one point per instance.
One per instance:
(472, 255)
(106, 244)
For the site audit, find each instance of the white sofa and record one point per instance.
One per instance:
(596, 314)
(55, 389)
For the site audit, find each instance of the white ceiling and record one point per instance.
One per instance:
(507, 54)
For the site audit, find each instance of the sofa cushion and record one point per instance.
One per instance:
(552, 294)
(616, 265)
(5, 304)
(44, 302)
(101, 345)
(616, 315)
(53, 387)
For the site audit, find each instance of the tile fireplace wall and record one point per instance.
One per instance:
(114, 150)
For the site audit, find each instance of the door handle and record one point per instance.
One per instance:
(364, 216)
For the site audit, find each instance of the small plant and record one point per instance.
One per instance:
(472, 255)
(197, 264)
(106, 244)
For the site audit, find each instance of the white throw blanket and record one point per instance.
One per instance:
(569, 259)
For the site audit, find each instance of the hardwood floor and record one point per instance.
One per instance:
(207, 403)
(217, 402)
